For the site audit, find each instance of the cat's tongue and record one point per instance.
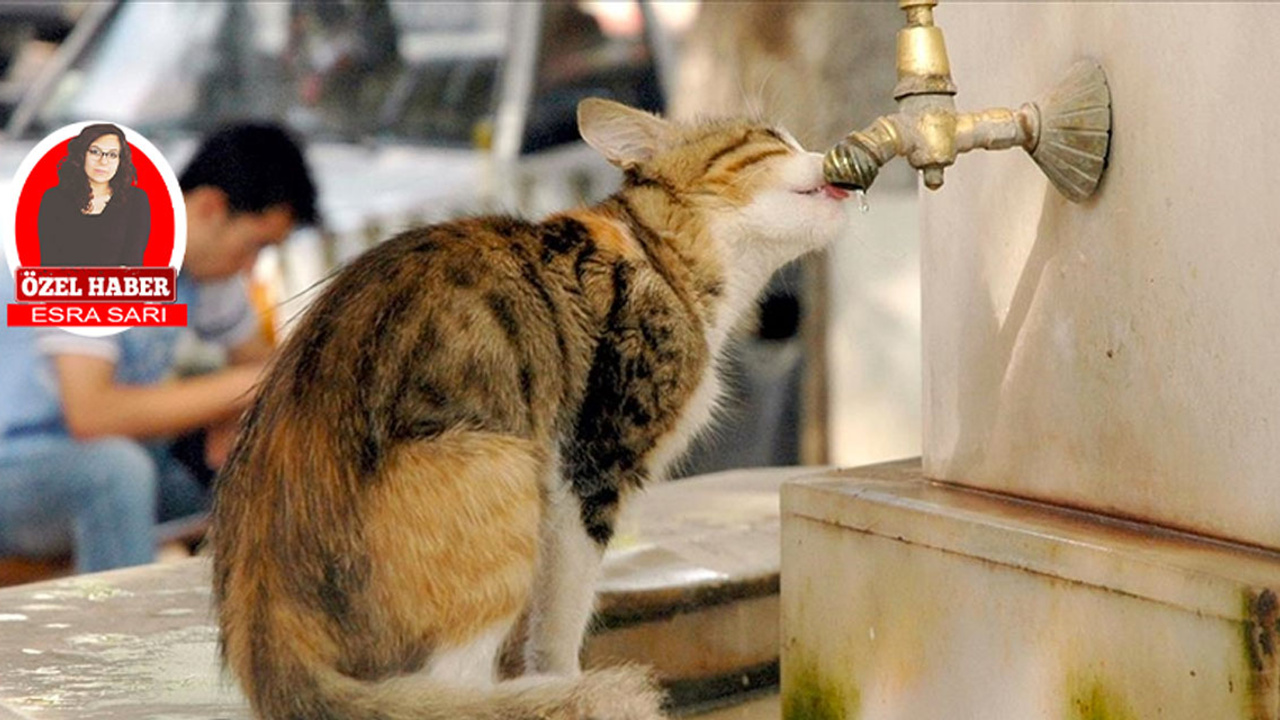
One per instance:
(834, 192)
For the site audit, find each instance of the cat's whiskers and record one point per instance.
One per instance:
(758, 104)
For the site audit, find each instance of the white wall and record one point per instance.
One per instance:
(873, 331)
(1124, 354)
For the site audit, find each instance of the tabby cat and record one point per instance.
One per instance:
(445, 440)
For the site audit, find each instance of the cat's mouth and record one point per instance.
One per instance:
(830, 191)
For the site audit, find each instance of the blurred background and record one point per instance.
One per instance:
(422, 111)
(418, 112)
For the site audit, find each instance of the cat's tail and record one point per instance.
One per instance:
(622, 693)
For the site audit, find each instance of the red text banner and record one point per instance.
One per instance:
(96, 284)
(96, 314)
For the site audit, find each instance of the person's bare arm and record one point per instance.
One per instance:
(219, 438)
(254, 350)
(95, 405)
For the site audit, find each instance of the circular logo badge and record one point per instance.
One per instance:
(98, 199)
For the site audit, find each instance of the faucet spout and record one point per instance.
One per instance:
(1067, 131)
(854, 163)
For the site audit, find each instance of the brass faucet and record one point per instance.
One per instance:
(1067, 131)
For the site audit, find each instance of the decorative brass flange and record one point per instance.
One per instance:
(1067, 131)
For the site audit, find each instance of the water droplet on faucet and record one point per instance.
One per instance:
(862, 201)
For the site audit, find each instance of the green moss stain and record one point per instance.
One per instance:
(1091, 701)
(809, 695)
(1260, 634)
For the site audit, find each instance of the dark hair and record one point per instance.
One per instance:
(71, 173)
(257, 165)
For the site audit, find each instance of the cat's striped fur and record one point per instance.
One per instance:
(446, 438)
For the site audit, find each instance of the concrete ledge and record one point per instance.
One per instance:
(1196, 574)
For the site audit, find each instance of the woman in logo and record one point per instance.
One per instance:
(95, 215)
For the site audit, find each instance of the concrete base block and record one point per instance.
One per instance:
(903, 598)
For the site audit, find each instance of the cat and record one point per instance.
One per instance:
(444, 442)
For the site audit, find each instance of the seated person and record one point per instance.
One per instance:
(84, 462)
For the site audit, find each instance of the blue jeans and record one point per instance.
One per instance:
(99, 499)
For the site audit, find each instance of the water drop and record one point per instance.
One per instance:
(862, 201)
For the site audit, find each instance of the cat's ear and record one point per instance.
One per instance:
(624, 135)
